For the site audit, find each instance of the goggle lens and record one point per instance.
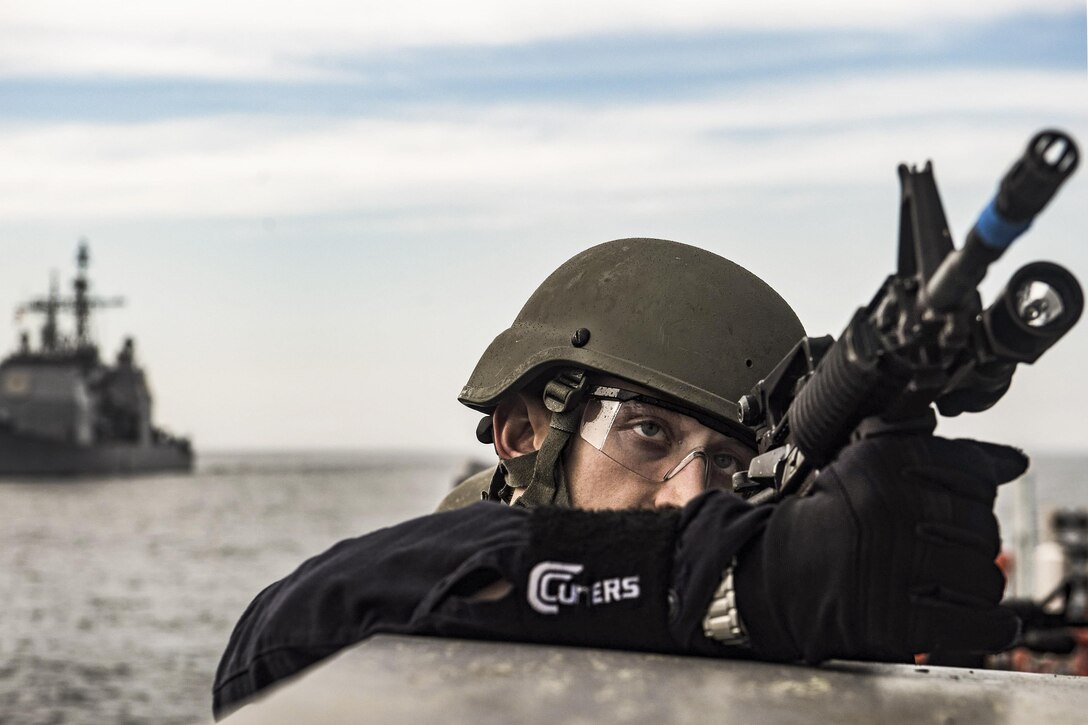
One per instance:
(657, 443)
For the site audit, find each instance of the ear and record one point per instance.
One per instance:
(518, 427)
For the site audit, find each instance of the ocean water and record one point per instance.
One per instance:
(117, 596)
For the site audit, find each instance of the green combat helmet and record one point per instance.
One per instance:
(673, 318)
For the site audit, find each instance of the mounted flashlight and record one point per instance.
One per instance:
(1041, 303)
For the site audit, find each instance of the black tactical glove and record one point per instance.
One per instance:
(890, 554)
(983, 387)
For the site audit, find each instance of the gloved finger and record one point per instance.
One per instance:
(973, 527)
(1029, 612)
(957, 575)
(938, 625)
(1001, 463)
(1008, 463)
(991, 460)
(974, 484)
(967, 520)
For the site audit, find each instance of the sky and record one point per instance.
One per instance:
(319, 214)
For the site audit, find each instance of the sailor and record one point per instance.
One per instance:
(612, 405)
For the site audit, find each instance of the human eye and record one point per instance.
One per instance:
(641, 429)
(649, 429)
(726, 462)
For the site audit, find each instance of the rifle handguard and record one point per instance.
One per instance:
(848, 385)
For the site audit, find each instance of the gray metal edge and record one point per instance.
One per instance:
(393, 679)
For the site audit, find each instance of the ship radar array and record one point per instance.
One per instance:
(81, 303)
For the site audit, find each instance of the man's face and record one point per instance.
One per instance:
(633, 454)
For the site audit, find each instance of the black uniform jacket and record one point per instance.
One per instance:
(630, 580)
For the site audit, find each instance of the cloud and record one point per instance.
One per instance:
(255, 39)
(348, 224)
(765, 137)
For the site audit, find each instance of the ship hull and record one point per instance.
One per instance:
(22, 455)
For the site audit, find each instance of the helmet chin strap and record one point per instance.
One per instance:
(547, 484)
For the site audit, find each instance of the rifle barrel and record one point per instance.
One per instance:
(1049, 159)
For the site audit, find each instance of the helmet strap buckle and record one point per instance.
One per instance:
(566, 390)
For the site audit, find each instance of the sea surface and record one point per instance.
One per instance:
(118, 595)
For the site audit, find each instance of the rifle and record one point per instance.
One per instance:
(924, 338)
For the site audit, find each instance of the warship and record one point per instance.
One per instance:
(64, 411)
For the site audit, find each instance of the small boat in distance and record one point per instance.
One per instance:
(63, 411)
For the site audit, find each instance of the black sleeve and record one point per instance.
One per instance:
(633, 580)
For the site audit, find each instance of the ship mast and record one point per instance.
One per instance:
(49, 329)
(81, 304)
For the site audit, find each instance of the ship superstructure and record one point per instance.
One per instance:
(65, 411)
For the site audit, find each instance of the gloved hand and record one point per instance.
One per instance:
(983, 387)
(891, 553)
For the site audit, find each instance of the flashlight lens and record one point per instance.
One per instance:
(1038, 304)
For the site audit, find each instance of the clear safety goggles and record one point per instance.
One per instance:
(654, 439)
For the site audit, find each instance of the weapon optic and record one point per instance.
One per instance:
(924, 338)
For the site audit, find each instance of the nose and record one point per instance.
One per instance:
(684, 485)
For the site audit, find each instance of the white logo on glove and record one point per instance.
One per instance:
(551, 585)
